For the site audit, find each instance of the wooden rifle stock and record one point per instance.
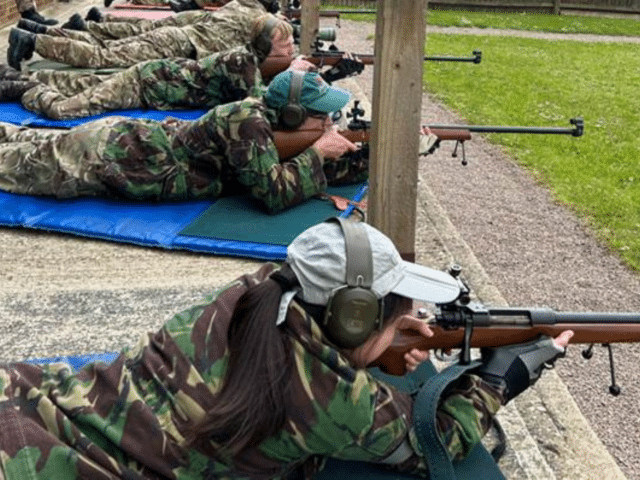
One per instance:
(605, 331)
(272, 66)
(292, 143)
(321, 59)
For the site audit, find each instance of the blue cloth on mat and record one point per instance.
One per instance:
(15, 113)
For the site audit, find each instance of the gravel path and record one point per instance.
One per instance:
(537, 254)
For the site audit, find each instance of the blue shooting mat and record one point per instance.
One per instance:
(160, 225)
(12, 112)
(232, 226)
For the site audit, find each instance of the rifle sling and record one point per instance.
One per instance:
(424, 420)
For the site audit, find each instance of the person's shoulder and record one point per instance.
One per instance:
(240, 109)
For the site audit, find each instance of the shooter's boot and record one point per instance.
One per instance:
(9, 73)
(11, 91)
(75, 22)
(21, 47)
(33, 15)
(31, 26)
(183, 5)
(94, 15)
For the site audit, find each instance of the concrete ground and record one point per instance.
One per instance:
(62, 295)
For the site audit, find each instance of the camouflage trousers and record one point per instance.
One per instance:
(115, 27)
(62, 95)
(53, 162)
(165, 42)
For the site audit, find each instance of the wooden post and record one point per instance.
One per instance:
(556, 7)
(309, 21)
(396, 119)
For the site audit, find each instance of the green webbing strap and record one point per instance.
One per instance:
(424, 421)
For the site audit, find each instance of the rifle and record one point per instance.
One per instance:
(290, 144)
(294, 13)
(460, 323)
(332, 55)
(344, 67)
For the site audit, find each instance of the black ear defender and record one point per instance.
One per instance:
(354, 311)
(262, 42)
(292, 115)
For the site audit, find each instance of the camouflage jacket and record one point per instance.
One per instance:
(228, 26)
(128, 419)
(220, 78)
(227, 151)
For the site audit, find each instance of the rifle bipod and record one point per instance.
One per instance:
(455, 152)
(587, 353)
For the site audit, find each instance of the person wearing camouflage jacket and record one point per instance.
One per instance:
(136, 417)
(168, 84)
(227, 151)
(237, 23)
(114, 27)
(129, 419)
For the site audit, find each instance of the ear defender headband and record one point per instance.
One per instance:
(292, 115)
(354, 311)
(262, 42)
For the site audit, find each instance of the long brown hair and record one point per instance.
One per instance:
(251, 404)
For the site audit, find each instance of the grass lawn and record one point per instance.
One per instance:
(545, 83)
(523, 21)
(536, 22)
(540, 82)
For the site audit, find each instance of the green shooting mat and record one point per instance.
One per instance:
(241, 218)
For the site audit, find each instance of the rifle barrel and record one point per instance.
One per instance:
(576, 131)
(543, 316)
(477, 58)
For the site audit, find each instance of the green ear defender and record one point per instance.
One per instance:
(354, 311)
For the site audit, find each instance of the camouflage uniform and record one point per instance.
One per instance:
(129, 419)
(157, 84)
(114, 27)
(227, 27)
(227, 151)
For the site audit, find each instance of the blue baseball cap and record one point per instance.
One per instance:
(316, 94)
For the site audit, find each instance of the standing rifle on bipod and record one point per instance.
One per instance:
(359, 131)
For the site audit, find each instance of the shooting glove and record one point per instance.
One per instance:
(346, 67)
(516, 367)
(428, 144)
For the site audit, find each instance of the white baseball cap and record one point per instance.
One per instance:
(318, 258)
